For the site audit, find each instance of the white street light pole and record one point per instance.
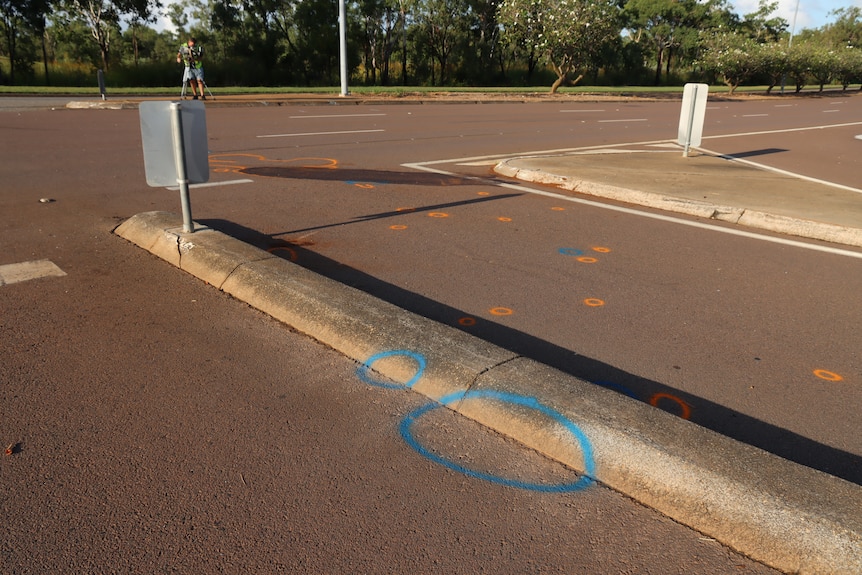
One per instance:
(342, 44)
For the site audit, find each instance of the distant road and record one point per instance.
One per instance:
(18, 103)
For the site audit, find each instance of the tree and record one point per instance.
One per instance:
(442, 27)
(21, 22)
(731, 56)
(761, 26)
(660, 21)
(822, 64)
(799, 61)
(569, 34)
(103, 18)
(848, 68)
(847, 28)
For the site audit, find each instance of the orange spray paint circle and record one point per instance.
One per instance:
(685, 409)
(827, 375)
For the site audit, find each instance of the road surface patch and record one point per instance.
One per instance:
(26, 271)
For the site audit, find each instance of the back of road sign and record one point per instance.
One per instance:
(692, 114)
(157, 137)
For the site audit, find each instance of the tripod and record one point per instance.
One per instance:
(186, 83)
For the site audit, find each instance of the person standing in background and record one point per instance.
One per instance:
(192, 56)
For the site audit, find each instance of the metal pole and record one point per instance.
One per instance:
(101, 78)
(790, 43)
(180, 161)
(690, 121)
(342, 44)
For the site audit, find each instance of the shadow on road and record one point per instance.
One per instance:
(358, 175)
(399, 212)
(739, 426)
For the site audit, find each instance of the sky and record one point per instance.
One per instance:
(811, 13)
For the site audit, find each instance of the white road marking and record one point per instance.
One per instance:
(754, 115)
(480, 163)
(337, 116)
(424, 166)
(830, 111)
(25, 271)
(783, 131)
(319, 133)
(558, 151)
(580, 111)
(628, 120)
(214, 184)
(783, 172)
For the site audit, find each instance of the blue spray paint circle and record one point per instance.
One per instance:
(362, 370)
(571, 251)
(531, 402)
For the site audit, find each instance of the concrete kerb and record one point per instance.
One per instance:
(785, 515)
(735, 215)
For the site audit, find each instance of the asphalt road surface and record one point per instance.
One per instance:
(157, 424)
(753, 339)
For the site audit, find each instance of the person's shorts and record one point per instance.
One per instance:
(193, 74)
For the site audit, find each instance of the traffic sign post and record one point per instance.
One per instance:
(174, 136)
(691, 116)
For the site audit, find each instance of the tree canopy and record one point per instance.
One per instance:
(425, 42)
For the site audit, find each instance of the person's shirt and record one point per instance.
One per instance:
(191, 55)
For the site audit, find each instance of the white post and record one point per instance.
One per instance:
(342, 44)
(690, 122)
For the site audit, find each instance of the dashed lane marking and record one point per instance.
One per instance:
(24, 271)
(319, 133)
(335, 116)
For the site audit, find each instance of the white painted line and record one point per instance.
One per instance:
(555, 151)
(783, 131)
(25, 271)
(754, 115)
(830, 111)
(319, 133)
(629, 120)
(580, 111)
(782, 172)
(859, 137)
(215, 184)
(480, 163)
(336, 116)
(784, 105)
(558, 151)
(661, 217)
